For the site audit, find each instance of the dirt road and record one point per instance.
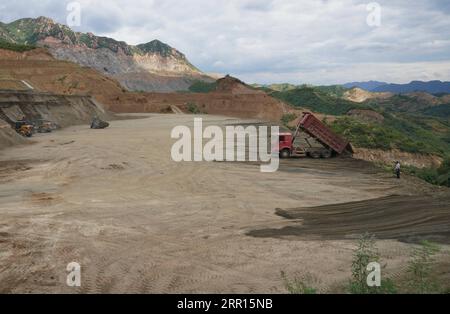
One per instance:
(115, 202)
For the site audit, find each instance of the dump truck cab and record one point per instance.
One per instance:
(285, 144)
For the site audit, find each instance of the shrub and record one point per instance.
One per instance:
(202, 87)
(439, 176)
(420, 268)
(193, 108)
(287, 118)
(298, 286)
(15, 47)
(364, 254)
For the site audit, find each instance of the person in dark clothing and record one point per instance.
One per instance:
(398, 169)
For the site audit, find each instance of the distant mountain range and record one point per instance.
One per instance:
(154, 66)
(431, 87)
(368, 86)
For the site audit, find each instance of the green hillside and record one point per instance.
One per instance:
(202, 87)
(316, 100)
(411, 124)
(15, 47)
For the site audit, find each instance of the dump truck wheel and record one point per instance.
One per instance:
(285, 153)
(314, 155)
(326, 154)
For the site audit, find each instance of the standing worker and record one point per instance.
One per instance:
(398, 169)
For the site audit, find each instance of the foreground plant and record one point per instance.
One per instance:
(365, 254)
(299, 285)
(420, 269)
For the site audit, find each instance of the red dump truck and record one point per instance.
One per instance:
(314, 139)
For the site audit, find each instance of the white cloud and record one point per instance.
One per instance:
(300, 41)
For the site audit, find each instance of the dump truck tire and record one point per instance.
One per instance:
(327, 154)
(285, 153)
(314, 155)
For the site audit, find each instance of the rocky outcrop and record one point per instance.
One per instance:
(145, 67)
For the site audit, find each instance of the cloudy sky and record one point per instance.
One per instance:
(272, 41)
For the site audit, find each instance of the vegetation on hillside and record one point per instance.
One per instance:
(202, 87)
(403, 132)
(316, 100)
(439, 176)
(15, 47)
(438, 111)
(333, 90)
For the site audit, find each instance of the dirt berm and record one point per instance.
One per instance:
(64, 110)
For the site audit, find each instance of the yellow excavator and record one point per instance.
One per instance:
(24, 128)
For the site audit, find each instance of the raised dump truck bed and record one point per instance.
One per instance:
(322, 133)
(329, 143)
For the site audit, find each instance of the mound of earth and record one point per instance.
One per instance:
(258, 105)
(405, 218)
(234, 86)
(46, 74)
(9, 137)
(63, 110)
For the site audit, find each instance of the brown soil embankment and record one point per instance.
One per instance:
(8, 136)
(64, 110)
(258, 106)
(46, 74)
(391, 156)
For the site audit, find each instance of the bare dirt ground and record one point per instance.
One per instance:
(137, 222)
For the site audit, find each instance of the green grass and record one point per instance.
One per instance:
(16, 47)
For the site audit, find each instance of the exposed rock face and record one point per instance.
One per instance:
(359, 95)
(391, 156)
(153, 66)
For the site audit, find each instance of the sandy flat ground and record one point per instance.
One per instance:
(137, 222)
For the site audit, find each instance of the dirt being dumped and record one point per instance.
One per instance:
(405, 218)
